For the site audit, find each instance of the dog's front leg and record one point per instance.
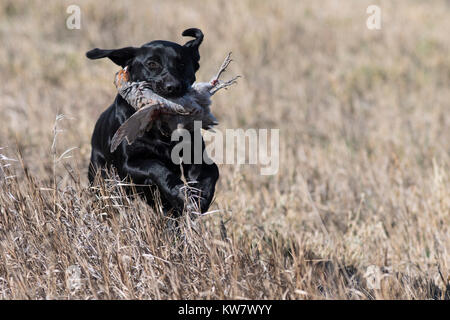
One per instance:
(202, 180)
(153, 171)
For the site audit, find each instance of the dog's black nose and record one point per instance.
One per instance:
(172, 87)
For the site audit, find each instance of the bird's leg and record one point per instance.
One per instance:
(215, 82)
(223, 85)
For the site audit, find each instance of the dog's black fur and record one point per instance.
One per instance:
(170, 69)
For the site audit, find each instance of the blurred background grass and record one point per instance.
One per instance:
(363, 115)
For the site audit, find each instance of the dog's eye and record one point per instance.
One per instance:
(153, 65)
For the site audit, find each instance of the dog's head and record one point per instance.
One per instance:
(169, 67)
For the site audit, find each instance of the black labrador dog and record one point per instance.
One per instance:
(170, 69)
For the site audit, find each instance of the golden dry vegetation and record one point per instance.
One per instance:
(362, 195)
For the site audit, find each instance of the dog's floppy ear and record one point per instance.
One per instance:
(194, 44)
(120, 57)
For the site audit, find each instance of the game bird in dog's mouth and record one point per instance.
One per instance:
(177, 112)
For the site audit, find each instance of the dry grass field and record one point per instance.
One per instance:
(359, 209)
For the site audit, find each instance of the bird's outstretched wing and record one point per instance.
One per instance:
(136, 125)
